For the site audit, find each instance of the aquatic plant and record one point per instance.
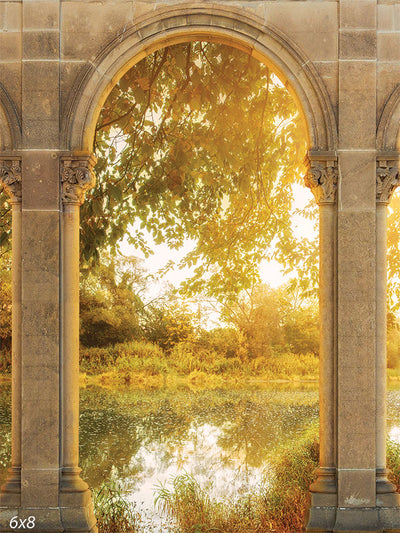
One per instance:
(279, 505)
(114, 513)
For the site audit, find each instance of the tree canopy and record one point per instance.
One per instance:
(198, 141)
(201, 142)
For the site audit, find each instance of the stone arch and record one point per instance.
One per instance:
(171, 26)
(10, 126)
(388, 131)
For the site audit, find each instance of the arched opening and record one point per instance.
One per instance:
(314, 180)
(10, 280)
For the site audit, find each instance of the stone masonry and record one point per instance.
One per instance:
(58, 61)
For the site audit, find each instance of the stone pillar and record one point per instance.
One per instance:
(75, 497)
(322, 178)
(10, 179)
(356, 383)
(387, 179)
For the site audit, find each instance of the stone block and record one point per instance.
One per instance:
(41, 44)
(98, 26)
(356, 242)
(360, 14)
(40, 247)
(313, 30)
(40, 134)
(74, 48)
(40, 448)
(13, 16)
(42, 352)
(321, 519)
(46, 520)
(41, 183)
(39, 319)
(41, 15)
(357, 188)
(357, 44)
(37, 380)
(10, 46)
(42, 289)
(41, 105)
(356, 488)
(141, 10)
(385, 17)
(388, 74)
(10, 77)
(360, 520)
(329, 72)
(350, 453)
(357, 103)
(389, 46)
(40, 76)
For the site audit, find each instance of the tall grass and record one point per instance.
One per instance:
(114, 514)
(280, 505)
(188, 360)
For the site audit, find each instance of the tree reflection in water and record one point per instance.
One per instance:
(224, 437)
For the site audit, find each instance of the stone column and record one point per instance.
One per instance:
(10, 180)
(387, 179)
(75, 498)
(322, 178)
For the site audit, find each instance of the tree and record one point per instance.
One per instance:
(257, 313)
(197, 141)
(110, 303)
(5, 302)
(168, 322)
(274, 320)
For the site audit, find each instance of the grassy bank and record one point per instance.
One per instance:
(279, 505)
(143, 363)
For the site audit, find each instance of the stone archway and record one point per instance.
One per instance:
(267, 45)
(352, 492)
(171, 26)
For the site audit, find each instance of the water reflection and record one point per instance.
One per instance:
(225, 438)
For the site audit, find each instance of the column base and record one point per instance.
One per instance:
(10, 492)
(368, 520)
(76, 503)
(386, 494)
(78, 519)
(44, 520)
(322, 513)
(77, 513)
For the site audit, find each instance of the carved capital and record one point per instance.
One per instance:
(322, 177)
(387, 178)
(77, 177)
(11, 178)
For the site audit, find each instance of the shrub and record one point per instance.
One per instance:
(5, 360)
(128, 356)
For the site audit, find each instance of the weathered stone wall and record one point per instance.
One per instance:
(58, 61)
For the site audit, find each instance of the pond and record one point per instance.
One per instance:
(225, 438)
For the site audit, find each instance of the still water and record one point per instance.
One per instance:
(224, 437)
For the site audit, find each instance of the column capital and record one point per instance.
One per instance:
(322, 176)
(77, 177)
(11, 177)
(387, 176)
